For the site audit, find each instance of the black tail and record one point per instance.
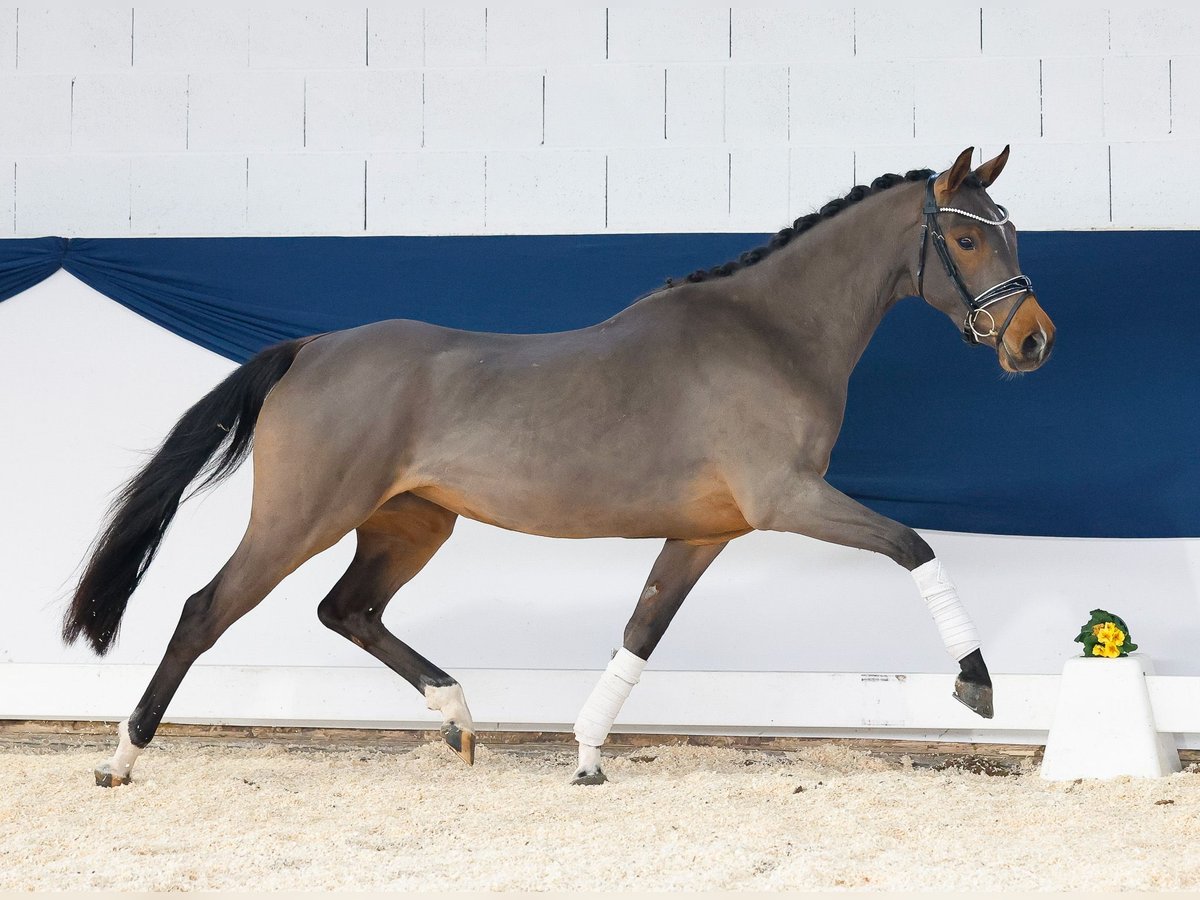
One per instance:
(141, 513)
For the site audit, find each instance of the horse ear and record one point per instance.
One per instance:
(950, 180)
(991, 169)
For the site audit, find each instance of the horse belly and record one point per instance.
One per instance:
(699, 509)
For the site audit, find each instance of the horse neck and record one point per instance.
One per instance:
(836, 281)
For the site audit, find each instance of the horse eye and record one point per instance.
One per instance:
(966, 243)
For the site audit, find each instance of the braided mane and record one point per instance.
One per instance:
(802, 224)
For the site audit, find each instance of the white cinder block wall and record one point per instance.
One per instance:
(338, 118)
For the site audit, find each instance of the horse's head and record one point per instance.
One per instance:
(968, 266)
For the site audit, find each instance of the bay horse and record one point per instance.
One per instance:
(703, 411)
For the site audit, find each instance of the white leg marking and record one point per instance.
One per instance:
(126, 754)
(589, 760)
(450, 701)
(955, 626)
(598, 714)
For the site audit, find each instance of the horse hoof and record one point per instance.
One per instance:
(582, 777)
(976, 697)
(461, 742)
(106, 777)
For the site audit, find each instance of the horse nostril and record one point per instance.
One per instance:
(1032, 346)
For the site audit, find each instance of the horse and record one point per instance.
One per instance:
(706, 409)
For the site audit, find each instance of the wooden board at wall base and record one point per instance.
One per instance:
(932, 753)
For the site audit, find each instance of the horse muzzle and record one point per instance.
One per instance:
(1028, 341)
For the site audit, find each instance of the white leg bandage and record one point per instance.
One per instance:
(955, 626)
(597, 716)
(126, 754)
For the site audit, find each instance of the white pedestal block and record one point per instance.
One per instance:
(1104, 725)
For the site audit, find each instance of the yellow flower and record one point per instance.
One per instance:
(1107, 650)
(1109, 633)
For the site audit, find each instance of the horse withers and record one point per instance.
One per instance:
(705, 410)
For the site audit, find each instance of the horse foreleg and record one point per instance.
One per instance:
(808, 505)
(393, 546)
(677, 569)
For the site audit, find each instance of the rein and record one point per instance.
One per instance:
(979, 305)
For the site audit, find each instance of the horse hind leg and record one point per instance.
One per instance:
(265, 556)
(676, 571)
(393, 546)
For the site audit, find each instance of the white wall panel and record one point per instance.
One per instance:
(695, 105)
(8, 36)
(478, 108)
(940, 30)
(395, 36)
(189, 194)
(8, 196)
(1045, 30)
(830, 704)
(455, 35)
(1185, 97)
(758, 195)
(1053, 186)
(425, 193)
(318, 193)
(780, 34)
(191, 37)
(1073, 100)
(35, 113)
(129, 111)
(756, 105)
(1156, 185)
(73, 195)
(658, 32)
(682, 189)
(815, 176)
(283, 36)
(872, 161)
(851, 101)
(606, 106)
(246, 111)
(1138, 30)
(75, 37)
(369, 109)
(1136, 98)
(978, 99)
(545, 191)
(545, 34)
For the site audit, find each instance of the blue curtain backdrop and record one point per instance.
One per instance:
(1103, 442)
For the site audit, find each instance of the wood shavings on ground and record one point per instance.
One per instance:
(822, 818)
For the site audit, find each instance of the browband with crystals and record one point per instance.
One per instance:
(970, 215)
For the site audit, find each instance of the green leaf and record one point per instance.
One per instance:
(1089, 640)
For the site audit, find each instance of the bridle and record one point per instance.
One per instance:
(979, 305)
